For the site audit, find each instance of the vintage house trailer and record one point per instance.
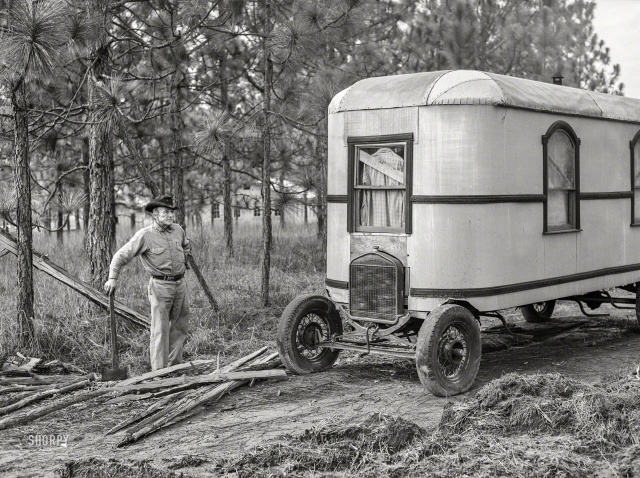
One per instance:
(454, 194)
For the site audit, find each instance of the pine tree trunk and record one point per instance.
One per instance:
(283, 224)
(321, 204)
(60, 213)
(87, 183)
(112, 195)
(226, 165)
(22, 181)
(99, 232)
(306, 210)
(178, 84)
(266, 158)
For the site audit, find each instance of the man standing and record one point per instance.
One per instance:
(163, 248)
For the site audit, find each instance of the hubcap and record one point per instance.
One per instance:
(452, 352)
(312, 330)
(539, 306)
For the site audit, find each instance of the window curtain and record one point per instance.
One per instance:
(380, 208)
(561, 181)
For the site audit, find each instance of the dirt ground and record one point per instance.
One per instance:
(579, 347)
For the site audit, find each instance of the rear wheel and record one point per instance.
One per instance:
(538, 312)
(448, 350)
(637, 303)
(305, 322)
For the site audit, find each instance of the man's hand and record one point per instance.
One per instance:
(111, 285)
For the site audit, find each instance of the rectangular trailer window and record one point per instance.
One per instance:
(380, 187)
(379, 178)
(561, 179)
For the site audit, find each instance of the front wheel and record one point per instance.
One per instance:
(448, 350)
(305, 322)
(538, 312)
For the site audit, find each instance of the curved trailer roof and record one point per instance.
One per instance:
(468, 87)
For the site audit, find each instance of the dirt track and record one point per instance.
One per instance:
(582, 348)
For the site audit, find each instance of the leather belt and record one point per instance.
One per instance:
(169, 278)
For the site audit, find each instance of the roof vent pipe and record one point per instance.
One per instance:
(557, 78)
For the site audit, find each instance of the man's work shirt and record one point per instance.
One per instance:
(162, 252)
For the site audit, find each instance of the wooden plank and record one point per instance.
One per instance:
(37, 396)
(13, 420)
(42, 263)
(174, 368)
(212, 378)
(4, 252)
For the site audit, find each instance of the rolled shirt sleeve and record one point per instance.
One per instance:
(136, 246)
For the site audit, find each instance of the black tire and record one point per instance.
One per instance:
(538, 312)
(448, 350)
(305, 320)
(638, 303)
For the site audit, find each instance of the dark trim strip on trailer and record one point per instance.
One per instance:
(337, 198)
(512, 198)
(477, 199)
(522, 286)
(606, 195)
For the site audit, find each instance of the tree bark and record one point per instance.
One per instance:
(99, 232)
(22, 181)
(322, 188)
(266, 155)
(178, 84)
(60, 212)
(226, 165)
(87, 183)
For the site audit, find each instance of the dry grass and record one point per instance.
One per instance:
(69, 329)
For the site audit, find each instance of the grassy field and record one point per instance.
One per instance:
(69, 329)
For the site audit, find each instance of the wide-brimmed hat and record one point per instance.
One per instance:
(161, 201)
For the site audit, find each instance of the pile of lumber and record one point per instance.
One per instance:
(21, 392)
(180, 397)
(177, 392)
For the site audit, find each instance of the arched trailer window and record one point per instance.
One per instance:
(380, 183)
(635, 179)
(561, 172)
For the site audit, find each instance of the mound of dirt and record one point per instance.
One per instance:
(331, 447)
(542, 425)
(603, 416)
(97, 468)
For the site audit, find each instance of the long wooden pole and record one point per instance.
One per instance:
(42, 263)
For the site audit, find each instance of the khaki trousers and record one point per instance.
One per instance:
(169, 321)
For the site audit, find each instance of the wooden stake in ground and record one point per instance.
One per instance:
(203, 283)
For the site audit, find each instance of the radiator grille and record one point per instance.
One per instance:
(373, 291)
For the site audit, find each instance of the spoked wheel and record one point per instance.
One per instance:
(305, 322)
(448, 350)
(538, 312)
